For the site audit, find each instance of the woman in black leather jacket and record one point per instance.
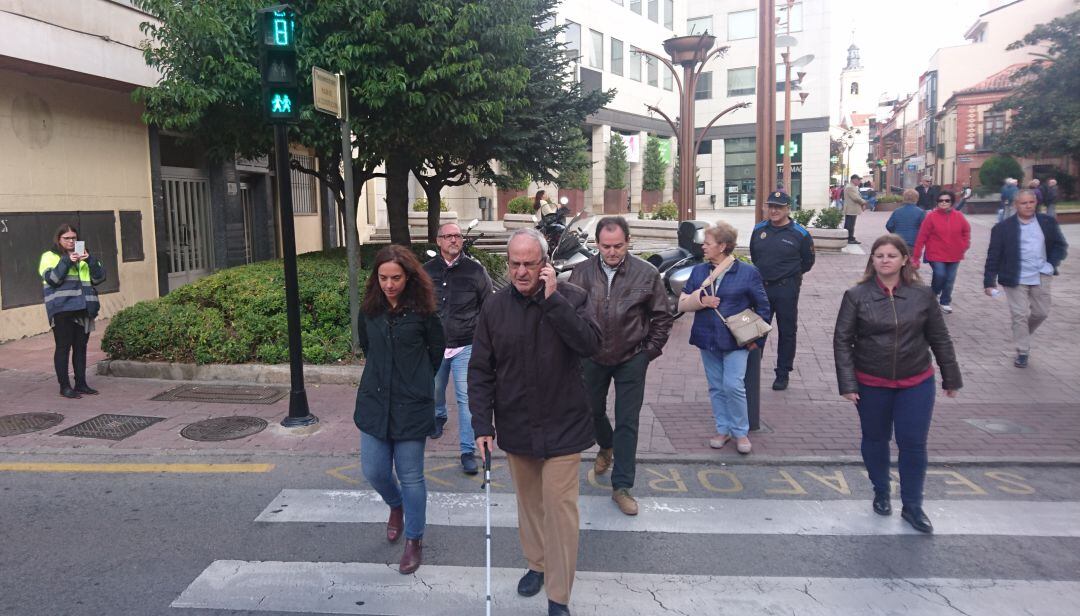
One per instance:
(887, 327)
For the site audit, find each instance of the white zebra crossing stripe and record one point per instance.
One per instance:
(367, 588)
(700, 516)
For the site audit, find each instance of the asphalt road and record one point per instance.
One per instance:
(89, 540)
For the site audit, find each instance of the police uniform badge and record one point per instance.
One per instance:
(763, 234)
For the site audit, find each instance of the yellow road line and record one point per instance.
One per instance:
(74, 467)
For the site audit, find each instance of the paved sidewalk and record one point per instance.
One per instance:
(809, 419)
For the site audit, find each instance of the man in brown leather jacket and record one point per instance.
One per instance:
(630, 304)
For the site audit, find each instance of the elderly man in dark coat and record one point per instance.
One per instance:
(525, 385)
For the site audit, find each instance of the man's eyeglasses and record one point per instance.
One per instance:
(451, 237)
(529, 265)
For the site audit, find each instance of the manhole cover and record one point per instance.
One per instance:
(111, 427)
(22, 423)
(999, 426)
(223, 428)
(224, 394)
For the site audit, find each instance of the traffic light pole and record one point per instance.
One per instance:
(299, 415)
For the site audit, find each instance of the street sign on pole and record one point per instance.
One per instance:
(326, 91)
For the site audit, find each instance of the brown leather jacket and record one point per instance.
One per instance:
(891, 337)
(632, 314)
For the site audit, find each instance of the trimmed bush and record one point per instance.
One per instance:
(665, 211)
(238, 315)
(890, 199)
(995, 169)
(520, 205)
(653, 172)
(615, 165)
(803, 217)
(829, 218)
(421, 205)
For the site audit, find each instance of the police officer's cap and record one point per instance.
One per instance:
(778, 199)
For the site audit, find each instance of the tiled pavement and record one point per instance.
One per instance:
(809, 419)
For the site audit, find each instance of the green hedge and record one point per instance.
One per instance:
(238, 315)
(520, 205)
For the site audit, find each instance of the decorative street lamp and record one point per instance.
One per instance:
(692, 52)
(788, 65)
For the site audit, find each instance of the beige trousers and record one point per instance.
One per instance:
(1029, 306)
(547, 501)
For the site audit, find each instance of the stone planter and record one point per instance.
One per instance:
(1068, 218)
(575, 198)
(650, 199)
(888, 207)
(418, 221)
(503, 197)
(518, 221)
(615, 201)
(828, 240)
(654, 229)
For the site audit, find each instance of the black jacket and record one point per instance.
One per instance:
(891, 337)
(525, 376)
(1003, 256)
(460, 291)
(396, 397)
(632, 312)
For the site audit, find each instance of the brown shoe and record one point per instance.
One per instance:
(742, 444)
(395, 524)
(410, 560)
(718, 441)
(603, 461)
(626, 503)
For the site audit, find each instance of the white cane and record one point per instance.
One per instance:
(487, 522)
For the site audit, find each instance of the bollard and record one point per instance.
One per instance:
(752, 382)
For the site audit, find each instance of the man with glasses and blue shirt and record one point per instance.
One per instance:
(461, 287)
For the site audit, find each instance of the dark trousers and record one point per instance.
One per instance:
(909, 411)
(784, 306)
(849, 224)
(629, 378)
(71, 339)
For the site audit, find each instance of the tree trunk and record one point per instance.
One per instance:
(434, 204)
(397, 197)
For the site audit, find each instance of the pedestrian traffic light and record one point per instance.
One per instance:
(277, 64)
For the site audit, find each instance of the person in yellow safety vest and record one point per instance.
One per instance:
(68, 279)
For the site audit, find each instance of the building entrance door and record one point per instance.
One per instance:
(188, 225)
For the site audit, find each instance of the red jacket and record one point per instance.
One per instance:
(946, 236)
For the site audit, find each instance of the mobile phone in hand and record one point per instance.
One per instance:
(80, 247)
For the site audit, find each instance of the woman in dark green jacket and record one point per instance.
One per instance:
(403, 344)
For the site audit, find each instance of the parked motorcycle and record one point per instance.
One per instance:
(675, 264)
(571, 244)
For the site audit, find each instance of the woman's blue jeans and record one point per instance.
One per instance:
(380, 459)
(726, 371)
(943, 280)
(908, 410)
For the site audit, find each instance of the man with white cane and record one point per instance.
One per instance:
(525, 382)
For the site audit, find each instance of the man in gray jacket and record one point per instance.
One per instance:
(630, 304)
(854, 205)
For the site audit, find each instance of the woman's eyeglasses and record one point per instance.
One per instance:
(944, 200)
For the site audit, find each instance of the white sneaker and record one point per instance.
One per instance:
(947, 309)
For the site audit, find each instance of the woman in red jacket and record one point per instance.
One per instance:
(945, 235)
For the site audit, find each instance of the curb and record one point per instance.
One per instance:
(248, 454)
(275, 374)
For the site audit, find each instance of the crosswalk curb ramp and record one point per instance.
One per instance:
(377, 588)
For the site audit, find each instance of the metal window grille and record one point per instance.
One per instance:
(304, 199)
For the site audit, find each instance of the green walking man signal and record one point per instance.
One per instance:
(277, 64)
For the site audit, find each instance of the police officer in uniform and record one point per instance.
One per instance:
(783, 251)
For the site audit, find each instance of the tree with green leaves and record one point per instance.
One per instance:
(995, 169)
(436, 87)
(577, 172)
(615, 165)
(654, 165)
(1047, 108)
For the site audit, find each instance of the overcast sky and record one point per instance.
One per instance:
(896, 39)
